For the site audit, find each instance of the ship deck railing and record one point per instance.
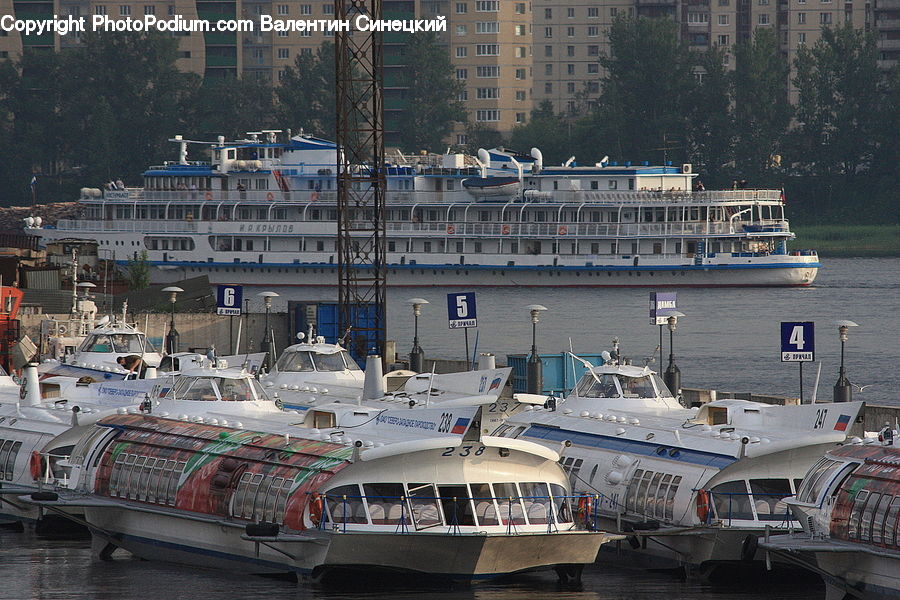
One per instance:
(459, 195)
(456, 229)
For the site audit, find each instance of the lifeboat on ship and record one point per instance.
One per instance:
(491, 187)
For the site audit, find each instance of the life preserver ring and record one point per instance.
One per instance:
(36, 465)
(61, 330)
(451, 229)
(563, 230)
(504, 229)
(702, 505)
(316, 509)
(208, 196)
(270, 196)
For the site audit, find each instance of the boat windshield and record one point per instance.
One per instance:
(117, 342)
(295, 362)
(637, 387)
(601, 386)
(331, 362)
(210, 389)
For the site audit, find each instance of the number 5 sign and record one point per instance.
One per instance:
(798, 341)
(461, 310)
(228, 300)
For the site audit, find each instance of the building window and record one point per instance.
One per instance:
(593, 31)
(570, 87)
(548, 51)
(487, 93)
(461, 30)
(520, 8)
(520, 95)
(487, 27)
(463, 96)
(487, 50)
(521, 52)
(488, 71)
(570, 69)
(148, 9)
(284, 53)
(462, 74)
(801, 38)
(570, 50)
(825, 18)
(520, 74)
(763, 19)
(461, 51)
(613, 11)
(801, 18)
(487, 5)
(124, 10)
(520, 117)
(698, 18)
(171, 11)
(462, 139)
(570, 32)
(520, 30)
(548, 69)
(328, 8)
(593, 68)
(283, 9)
(487, 115)
(462, 8)
(548, 31)
(593, 50)
(723, 40)
(593, 12)
(548, 13)
(570, 13)
(723, 19)
(99, 10)
(548, 88)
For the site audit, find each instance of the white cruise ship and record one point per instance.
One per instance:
(265, 209)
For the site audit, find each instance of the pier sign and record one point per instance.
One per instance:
(662, 305)
(228, 300)
(798, 341)
(461, 310)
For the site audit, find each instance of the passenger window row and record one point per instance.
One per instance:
(9, 450)
(873, 518)
(425, 505)
(145, 478)
(652, 494)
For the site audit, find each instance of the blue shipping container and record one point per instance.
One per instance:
(561, 372)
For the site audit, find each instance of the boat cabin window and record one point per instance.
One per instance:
(637, 387)
(424, 505)
(306, 361)
(768, 497)
(209, 389)
(615, 386)
(295, 362)
(891, 535)
(457, 505)
(602, 386)
(732, 501)
(118, 342)
(385, 502)
(331, 362)
(817, 479)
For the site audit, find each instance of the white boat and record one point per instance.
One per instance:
(265, 209)
(848, 505)
(313, 363)
(693, 487)
(360, 494)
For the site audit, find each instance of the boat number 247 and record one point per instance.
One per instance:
(820, 418)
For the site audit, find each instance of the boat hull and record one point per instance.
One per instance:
(219, 544)
(431, 275)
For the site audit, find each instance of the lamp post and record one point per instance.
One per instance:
(172, 336)
(416, 355)
(842, 390)
(267, 340)
(534, 370)
(672, 375)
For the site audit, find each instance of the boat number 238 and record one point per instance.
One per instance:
(463, 451)
(820, 418)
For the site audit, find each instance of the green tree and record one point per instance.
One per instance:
(761, 109)
(432, 99)
(232, 107)
(709, 143)
(645, 94)
(546, 131)
(306, 93)
(840, 108)
(479, 135)
(138, 271)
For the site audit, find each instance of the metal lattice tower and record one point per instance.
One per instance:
(359, 62)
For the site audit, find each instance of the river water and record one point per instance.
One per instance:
(729, 339)
(36, 569)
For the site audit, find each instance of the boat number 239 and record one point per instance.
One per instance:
(820, 418)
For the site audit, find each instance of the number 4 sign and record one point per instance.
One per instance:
(798, 341)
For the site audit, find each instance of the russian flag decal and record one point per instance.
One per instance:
(495, 384)
(461, 424)
(842, 422)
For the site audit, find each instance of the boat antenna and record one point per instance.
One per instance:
(572, 362)
(587, 365)
(816, 386)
